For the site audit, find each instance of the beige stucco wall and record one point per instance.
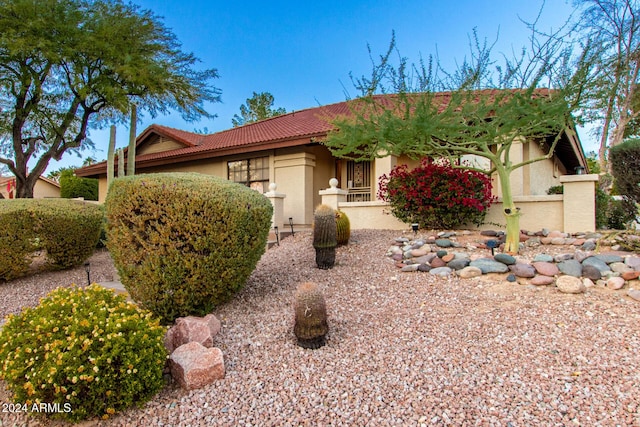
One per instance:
(293, 173)
(537, 212)
(44, 189)
(158, 144)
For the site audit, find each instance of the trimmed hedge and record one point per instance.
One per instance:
(184, 243)
(67, 230)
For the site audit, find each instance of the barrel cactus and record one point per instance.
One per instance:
(343, 228)
(324, 236)
(310, 316)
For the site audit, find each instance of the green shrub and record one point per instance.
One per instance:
(66, 230)
(16, 239)
(555, 189)
(625, 168)
(602, 208)
(73, 186)
(184, 243)
(437, 195)
(86, 350)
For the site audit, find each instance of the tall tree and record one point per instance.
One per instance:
(258, 107)
(69, 65)
(615, 26)
(486, 110)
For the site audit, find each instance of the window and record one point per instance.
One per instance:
(253, 173)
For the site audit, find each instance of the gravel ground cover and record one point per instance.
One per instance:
(402, 349)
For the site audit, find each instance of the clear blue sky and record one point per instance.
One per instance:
(302, 52)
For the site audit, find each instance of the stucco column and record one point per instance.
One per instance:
(382, 166)
(333, 196)
(277, 200)
(579, 202)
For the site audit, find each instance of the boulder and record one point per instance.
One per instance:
(546, 268)
(192, 328)
(620, 267)
(571, 267)
(609, 258)
(441, 271)
(596, 262)
(487, 265)
(633, 262)
(630, 275)
(543, 258)
(615, 283)
(634, 293)
(523, 270)
(195, 366)
(570, 285)
(505, 259)
(469, 272)
(591, 272)
(542, 280)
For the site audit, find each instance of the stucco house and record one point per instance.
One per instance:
(44, 188)
(288, 150)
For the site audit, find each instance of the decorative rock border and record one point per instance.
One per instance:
(442, 255)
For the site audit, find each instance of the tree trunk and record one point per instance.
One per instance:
(511, 213)
(131, 153)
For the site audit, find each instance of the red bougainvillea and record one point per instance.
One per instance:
(437, 195)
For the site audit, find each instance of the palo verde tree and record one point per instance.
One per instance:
(69, 65)
(258, 107)
(480, 109)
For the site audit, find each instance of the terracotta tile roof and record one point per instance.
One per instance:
(292, 129)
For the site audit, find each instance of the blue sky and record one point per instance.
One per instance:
(302, 52)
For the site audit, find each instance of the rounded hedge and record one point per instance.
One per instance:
(84, 352)
(183, 243)
(67, 230)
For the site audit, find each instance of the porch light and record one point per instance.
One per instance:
(579, 170)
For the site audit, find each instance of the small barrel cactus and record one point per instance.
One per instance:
(343, 228)
(324, 236)
(310, 316)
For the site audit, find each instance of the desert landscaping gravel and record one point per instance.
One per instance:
(403, 349)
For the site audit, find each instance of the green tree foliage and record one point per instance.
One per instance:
(72, 187)
(614, 100)
(69, 65)
(258, 107)
(486, 109)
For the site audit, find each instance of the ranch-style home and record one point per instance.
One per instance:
(287, 150)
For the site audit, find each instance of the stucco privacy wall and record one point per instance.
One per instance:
(574, 211)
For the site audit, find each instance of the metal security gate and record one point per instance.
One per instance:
(359, 181)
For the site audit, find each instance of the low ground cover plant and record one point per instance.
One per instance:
(184, 243)
(436, 195)
(84, 353)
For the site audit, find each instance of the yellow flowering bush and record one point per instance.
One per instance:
(88, 350)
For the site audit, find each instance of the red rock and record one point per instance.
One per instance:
(578, 242)
(437, 262)
(545, 240)
(523, 237)
(194, 366)
(546, 268)
(542, 280)
(448, 257)
(192, 328)
(630, 275)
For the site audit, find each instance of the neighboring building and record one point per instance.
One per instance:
(287, 150)
(44, 188)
